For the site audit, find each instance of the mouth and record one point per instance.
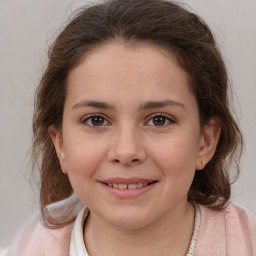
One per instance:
(128, 188)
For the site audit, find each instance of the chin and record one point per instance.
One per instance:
(128, 220)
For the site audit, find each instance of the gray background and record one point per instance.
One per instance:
(26, 29)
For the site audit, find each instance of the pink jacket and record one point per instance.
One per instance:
(230, 232)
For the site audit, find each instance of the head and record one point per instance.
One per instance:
(131, 23)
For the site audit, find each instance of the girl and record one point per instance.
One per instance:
(132, 120)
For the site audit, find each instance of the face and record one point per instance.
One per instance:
(131, 139)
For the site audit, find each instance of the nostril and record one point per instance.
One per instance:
(136, 160)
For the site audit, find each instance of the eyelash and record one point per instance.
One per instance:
(166, 117)
(161, 115)
(89, 118)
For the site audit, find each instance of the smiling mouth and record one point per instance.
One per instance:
(129, 186)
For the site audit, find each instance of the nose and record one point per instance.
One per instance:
(127, 148)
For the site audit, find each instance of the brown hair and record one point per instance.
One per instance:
(162, 23)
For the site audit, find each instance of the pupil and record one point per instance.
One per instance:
(159, 120)
(97, 121)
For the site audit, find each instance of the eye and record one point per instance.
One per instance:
(95, 120)
(160, 120)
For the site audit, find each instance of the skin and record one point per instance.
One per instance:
(130, 142)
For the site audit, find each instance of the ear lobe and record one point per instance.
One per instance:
(56, 136)
(208, 143)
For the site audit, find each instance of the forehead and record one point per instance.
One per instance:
(140, 58)
(140, 71)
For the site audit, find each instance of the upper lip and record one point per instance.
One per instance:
(133, 180)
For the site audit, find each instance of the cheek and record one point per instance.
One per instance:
(83, 158)
(176, 157)
(82, 155)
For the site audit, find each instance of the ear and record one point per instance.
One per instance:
(208, 143)
(57, 139)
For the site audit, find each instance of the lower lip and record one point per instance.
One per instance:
(128, 193)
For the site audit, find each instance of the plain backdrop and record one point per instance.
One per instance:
(27, 27)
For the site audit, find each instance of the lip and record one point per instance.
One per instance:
(128, 193)
(132, 180)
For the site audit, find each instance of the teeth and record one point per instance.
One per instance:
(132, 186)
(122, 186)
(127, 186)
(139, 185)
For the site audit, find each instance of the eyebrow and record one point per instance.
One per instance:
(144, 106)
(94, 104)
(160, 104)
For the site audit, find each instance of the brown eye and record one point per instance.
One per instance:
(95, 120)
(160, 120)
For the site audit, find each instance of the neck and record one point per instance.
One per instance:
(170, 235)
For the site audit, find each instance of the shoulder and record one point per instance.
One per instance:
(231, 231)
(233, 211)
(3, 252)
(35, 239)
